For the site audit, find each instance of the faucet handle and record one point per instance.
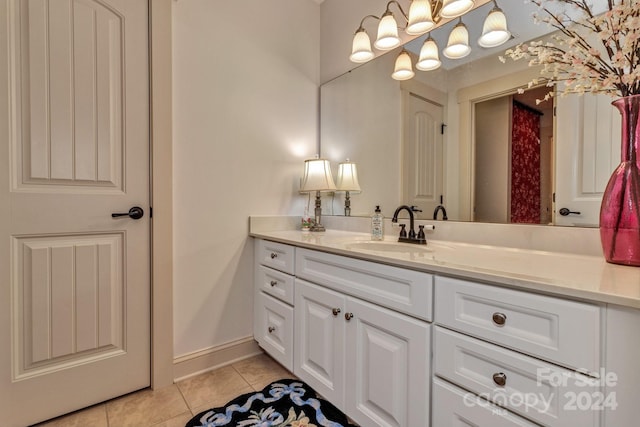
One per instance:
(414, 208)
(403, 232)
(421, 232)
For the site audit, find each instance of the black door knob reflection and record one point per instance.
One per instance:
(135, 212)
(565, 212)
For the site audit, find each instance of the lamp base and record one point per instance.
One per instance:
(317, 227)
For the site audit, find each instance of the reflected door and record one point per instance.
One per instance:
(422, 154)
(74, 288)
(588, 151)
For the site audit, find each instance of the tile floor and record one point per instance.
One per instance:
(173, 406)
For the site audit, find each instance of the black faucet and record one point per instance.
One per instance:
(444, 212)
(412, 237)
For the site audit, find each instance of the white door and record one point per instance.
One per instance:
(319, 340)
(387, 367)
(587, 152)
(422, 155)
(74, 148)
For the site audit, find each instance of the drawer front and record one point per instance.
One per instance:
(564, 332)
(275, 283)
(275, 255)
(454, 407)
(275, 329)
(406, 291)
(537, 390)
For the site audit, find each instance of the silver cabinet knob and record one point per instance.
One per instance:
(274, 255)
(500, 379)
(273, 282)
(336, 311)
(271, 329)
(499, 318)
(348, 316)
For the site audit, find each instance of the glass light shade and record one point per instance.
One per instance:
(403, 69)
(361, 51)
(458, 45)
(420, 17)
(317, 176)
(347, 177)
(429, 57)
(387, 33)
(494, 30)
(455, 8)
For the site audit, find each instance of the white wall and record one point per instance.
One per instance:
(245, 82)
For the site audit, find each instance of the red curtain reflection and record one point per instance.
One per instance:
(525, 165)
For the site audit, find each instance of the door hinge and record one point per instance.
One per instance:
(150, 211)
(554, 197)
(442, 126)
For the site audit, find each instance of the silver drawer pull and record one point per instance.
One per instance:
(348, 316)
(499, 318)
(271, 329)
(336, 311)
(274, 255)
(500, 379)
(273, 282)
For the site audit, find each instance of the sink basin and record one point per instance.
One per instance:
(393, 247)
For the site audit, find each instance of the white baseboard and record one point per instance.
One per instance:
(215, 357)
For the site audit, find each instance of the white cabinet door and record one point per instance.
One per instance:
(319, 340)
(387, 367)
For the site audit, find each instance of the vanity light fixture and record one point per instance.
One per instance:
(403, 69)
(458, 44)
(347, 181)
(494, 29)
(317, 177)
(429, 57)
(423, 16)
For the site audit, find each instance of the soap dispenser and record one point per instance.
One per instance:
(377, 224)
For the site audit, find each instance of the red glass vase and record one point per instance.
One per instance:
(620, 209)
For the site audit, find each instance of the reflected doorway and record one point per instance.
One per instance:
(513, 167)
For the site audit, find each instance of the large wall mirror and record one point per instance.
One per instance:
(464, 137)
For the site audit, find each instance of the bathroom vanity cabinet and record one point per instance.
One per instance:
(398, 346)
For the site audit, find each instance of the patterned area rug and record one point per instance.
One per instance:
(281, 403)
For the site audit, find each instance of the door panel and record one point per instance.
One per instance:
(423, 154)
(588, 151)
(74, 284)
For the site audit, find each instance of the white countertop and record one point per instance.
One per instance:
(583, 277)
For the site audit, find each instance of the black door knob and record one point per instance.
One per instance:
(565, 212)
(135, 212)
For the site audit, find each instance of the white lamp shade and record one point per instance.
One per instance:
(361, 50)
(429, 57)
(317, 176)
(347, 177)
(458, 45)
(403, 69)
(387, 33)
(494, 30)
(455, 8)
(420, 17)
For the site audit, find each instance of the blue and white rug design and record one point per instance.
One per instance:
(280, 404)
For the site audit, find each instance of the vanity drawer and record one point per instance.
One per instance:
(530, 387)
(275, 329)
(275, 283)
(403, 290)
(275, 255)
(453, 406)
(565, 332)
